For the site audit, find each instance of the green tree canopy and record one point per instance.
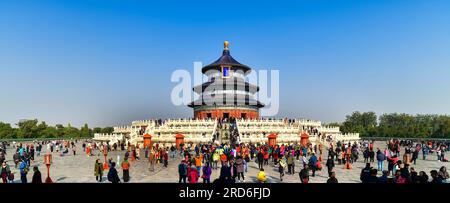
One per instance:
(35, 129)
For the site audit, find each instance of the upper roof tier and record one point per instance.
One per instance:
(226, 59)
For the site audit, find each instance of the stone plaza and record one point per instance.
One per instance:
(80, 169)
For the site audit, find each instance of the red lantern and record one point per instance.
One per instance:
(48, 162)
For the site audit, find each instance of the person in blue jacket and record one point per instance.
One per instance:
(312, 163)
(23, 171)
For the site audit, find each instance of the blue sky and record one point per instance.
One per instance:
(109, 62)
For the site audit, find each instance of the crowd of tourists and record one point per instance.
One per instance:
(24, 155)
(230, 162)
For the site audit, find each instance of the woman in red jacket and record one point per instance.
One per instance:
(266, 158)
(192, 174)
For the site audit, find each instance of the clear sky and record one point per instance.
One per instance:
(109, 62)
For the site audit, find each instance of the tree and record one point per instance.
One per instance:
(28, 128)
(107, 130)
(85, 131)
(71, 132)
(60, 130)
(34, 129)
(41, 129)
(363, 123)
(97, 130)
(50, 132)
(6, 131)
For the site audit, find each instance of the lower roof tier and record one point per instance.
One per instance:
(226, 100)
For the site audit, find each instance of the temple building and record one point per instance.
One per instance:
(226, 94)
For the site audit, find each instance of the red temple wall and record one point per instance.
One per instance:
(235, 113)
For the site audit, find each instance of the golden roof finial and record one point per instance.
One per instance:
(225, 45)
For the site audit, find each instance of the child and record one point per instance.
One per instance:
(262, 176)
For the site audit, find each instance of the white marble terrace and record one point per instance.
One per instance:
(202, 131)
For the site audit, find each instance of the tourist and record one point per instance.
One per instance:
(109, 162)
(425, 151)
(380, 160)
(366, 155)
(415, 155)
(5, 172)
(233, 171)
(182, 171)
(223, 159)
(125, 170)
(39, 149)
(275, 155)
(23, 168)
(399, 178)
(198, 163)
(373, 176)
(304, 174)
(444, 174)
(414, 176)
(113, 176)
(215, 158)
(313, 164)
(438, 154)
(443, 149)
(88, 150)
(261, 176)
(332, 178)
(74, 150)
(365, 173)
(423, 177)
(206, 173)
(165, 158)
(384, 177)
(260, 159)
(193, 174)
(98, 170)
(137, 153)
(152, 159)
(372, 156)
(239, 163)
(391, 163)
(225, 173)
(330, 165)
(266, 158)
(290, 164)
(304, 161)
(341, 159)
(246, 161)
(32, 153)
(37, 178)
(173, 151)
(146, 152)
(281, 167)
(339, 155)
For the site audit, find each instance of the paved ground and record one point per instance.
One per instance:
(79, 168)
